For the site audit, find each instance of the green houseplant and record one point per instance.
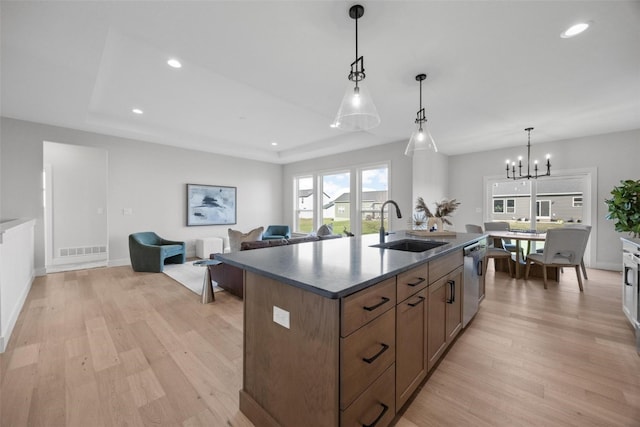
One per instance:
(624, 207)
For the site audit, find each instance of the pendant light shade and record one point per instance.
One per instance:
(421, 138)
(357, 110)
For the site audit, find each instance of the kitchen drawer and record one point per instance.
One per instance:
(412, 281)
(366, 354)
(443, 265)
(376, 406)
(364, 306)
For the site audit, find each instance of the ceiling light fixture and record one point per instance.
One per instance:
(137, 111)
(535, 163)
(574, 30)
(174, 63)
(357, 110)
(421, 138)
(274, 143)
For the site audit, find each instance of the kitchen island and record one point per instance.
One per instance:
(340, 333)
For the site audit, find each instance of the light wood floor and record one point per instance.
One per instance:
(110, 347)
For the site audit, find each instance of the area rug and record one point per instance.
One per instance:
(188, 275)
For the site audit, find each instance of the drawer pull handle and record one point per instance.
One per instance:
(452, 286)
(413, 304)
(420, 280)
(373, 307)
(371, 359)
(384, 411)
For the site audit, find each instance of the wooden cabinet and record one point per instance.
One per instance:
(367, 355)
(353, 361)
(376, 406)
(444, 314)
(411, 345)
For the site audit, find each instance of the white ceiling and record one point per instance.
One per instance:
(275, 71)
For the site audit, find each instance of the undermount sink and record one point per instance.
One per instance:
(410, 245)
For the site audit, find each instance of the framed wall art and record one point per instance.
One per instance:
(211, 205)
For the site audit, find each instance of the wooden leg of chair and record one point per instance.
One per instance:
(526, 269)
(579, 277)
(544, 275)
(510, 268)
(584, 269)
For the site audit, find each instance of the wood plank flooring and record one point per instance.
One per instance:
(110, 347)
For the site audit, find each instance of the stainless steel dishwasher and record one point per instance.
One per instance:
(473, 269)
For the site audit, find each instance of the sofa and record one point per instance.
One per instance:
(230, 278)
(149, 252)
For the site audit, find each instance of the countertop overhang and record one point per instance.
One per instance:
(336, 268)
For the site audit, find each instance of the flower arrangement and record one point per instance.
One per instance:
(443, 210)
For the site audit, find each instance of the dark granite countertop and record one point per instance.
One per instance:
(339, 267)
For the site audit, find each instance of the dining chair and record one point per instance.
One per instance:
(502, 226)
(563, 247)
(492, 252)
(588, 228)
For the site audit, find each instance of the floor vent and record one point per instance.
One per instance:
(85, 250)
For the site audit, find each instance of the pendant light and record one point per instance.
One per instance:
(535, 164)
(357, 110)
(421, 138)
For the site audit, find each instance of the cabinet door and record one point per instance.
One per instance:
(436, 322)
(411, 345)
(453, 307)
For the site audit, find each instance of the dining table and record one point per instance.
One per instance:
(518, 236)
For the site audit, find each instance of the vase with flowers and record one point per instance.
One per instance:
(436, 222)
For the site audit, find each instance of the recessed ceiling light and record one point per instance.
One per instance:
(137, 111)
(174, 63)
(574, 30)
(274, 143)
(333, 125)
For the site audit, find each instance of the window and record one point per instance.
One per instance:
(336, 189)
(374, 191)
(504, 206)
(577, 202)
(350, 199)
(303, 188)
(543, 209)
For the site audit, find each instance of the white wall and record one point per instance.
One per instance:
(400, 179)
(77, 202)
(430, 179)
(616, 156)
(148, 178)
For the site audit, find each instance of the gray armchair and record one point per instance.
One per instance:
(149, 252)
(274, 232)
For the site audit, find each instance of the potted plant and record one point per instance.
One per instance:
(624, 207)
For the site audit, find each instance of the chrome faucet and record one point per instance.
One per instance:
(382, 232)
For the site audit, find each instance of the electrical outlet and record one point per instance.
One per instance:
(281, 317)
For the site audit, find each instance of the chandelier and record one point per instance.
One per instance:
(357, 110)
(421, 139)
(535, 164)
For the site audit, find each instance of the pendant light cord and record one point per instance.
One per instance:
(357, 77)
